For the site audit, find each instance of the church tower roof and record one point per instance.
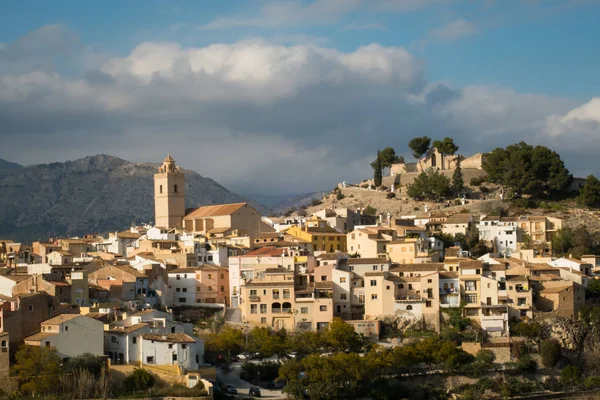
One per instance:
(168, 165)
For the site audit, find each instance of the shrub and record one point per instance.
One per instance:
(518, 350)
(289, 211)
(390, 195)
(485, 356)
(370, 211)
(570, 375)
(526, 364)
(339, 195)
(477, 181)
(269, 370)
(383, 187)
(524, 203)
(139, 379)
(315, 202)
(592, 382)
(550, 352)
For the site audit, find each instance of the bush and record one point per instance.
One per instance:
(370, 211)
(531, 330)
(524, 203)
(315, 202)
(139, 379)
(269, 370)
(592, 382)
(485, 356)
(518, 350)
(390, 195)
(383, 187)
(477, 181)
(339, 195)
(550, 352)
(570, 375)
(526, 365)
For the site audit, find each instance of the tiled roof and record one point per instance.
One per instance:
(36, 337)
(356, 261)
(556, 289)
(170, 338)
(59, 319)
(328, 256)
(468, 264)
(418, 267)
(128, 235)
(269, 283)
(448, 275)
(265, 251)
(459, 219)
(216, 210)
(497, 267)
(324, 285)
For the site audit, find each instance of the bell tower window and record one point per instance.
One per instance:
(175, 188)
(160, 189)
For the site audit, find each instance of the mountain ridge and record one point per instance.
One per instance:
(5, 164)
(94, 194)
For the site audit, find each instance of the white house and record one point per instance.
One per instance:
(182, 286)
(8, 282)
(457, 223)
(71, 334)
(122, 344)
(170, 349)
(573, 264)
(500, 232)
(160, 233)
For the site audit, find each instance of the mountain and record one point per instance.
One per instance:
(8, 165)
(92, 195)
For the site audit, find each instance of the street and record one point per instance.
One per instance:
(233, 378)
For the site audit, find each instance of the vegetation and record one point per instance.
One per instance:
(589, 194)
(339, 195)
(370, 211)
(378, 173)
(316, 202)
(266, 371)
(526, 170)
(477, 180)
(592, 291)
(431, 185)
(386, 158)
(419, 146)
(550, 352)
(37, 370)
(577, 242)
(458, 182)
(446, 147)
(139, 379)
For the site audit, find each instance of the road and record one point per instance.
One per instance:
(233, 378)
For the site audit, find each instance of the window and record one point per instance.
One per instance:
(373, 297)
(471, 312)
(275, 293)
(471, 298)
(134, 340)
(253, 292)
(182, 299)
(184, 346)
(209, 276)
(374, 267)
(4, 347)
(410, 286)
(160, 189)
(373, 282)
(222, 276)
(30, 307)
(253, 309)
(470, 286)
(178, 277)
(263, 308)
(387, 287)
(222, 288)
(322, 308)
(263, 320)
(286, 293)
(304, 310)
(522, 301)
(66, 328)
(343, 296)
(197, 288)
(178, 289)
(209, 258)
(409, 307)
(170, 345)
(150, 360)
(343, 279)
(113, 339)
(184, 290)
(175, 188)
(400, 286)
(429, 281)
(47, 343)
(323, 277)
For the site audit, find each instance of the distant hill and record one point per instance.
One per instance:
(92, 195)
(8, 165)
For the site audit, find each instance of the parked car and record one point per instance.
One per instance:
(254, 391)
(280, 384)
(230, 389)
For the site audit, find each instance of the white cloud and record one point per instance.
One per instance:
(257, 115)
(454, 30)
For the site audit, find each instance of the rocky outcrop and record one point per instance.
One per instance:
(94, 194)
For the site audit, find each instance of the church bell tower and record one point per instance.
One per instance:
(169, 195)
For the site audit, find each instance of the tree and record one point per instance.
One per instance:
(576, 242)
(377, 175)
(550, 352)
(570, 375)
(446, 147)
(139, 379)
(387, 157)
(431, 185)
(419, 146)
(37, 369)
(342, 336)
(592, 290)
(589, 194)
(458, 182)
(485, 356)
(535, 171)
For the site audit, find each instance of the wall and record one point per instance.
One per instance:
(85, 335)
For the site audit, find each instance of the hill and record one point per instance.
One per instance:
(4, 165)
(94, 194)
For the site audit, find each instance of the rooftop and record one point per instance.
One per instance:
(170, 338)
(215, 211)
(59, 319)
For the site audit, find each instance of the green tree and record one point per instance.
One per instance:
(377, 174)
(370, 211)
(387, 157)
(458, 182)
(431, 185)
(419, 146)
(37, 369)
(592, 290)
(536, 171)
(589, 194)
(139, 379)
(485, 356)
(570, 375)
(342, 336)
(446, 147)
(550, 352)
(576, 242)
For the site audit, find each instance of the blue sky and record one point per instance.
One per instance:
(505, 70)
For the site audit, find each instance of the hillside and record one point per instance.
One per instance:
(4, 165)
(94, 194)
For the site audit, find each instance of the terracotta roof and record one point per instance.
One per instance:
(269, 283)
(556, 289)
(62, 283)
(265, 251)
(124, 330)
(452, 251)
(470, 264)
(497, 267)
(170, 338)
(448, 275)
(379, 273)
(355, 261)
(418, 267)
(39, 336)
(59, 319)
(328, 256)
(216, 210)
(103, 317)
(324, 285)
(459, 219)
(219, 230)
(128, 235)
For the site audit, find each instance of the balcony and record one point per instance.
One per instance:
(411, 299)
(254, 299)
(276, 296)
(449, 291)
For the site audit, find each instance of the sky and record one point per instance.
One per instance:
(293, 96)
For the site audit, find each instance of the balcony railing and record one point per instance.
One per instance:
(276, 310)
(254, 299)
(275, 296)
(449, 291)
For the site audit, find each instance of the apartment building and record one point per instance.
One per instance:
(412, 251)
(500, 233)
(370, 242)
(322, 236)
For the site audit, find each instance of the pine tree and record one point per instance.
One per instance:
(457, 179)
(378, 173)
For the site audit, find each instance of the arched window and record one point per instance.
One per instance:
(160, 189)
(4, 343)
(408, 307)
(175, 188)
(276, 308)
(287, 307)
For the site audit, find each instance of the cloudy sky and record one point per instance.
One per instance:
(288, 96)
